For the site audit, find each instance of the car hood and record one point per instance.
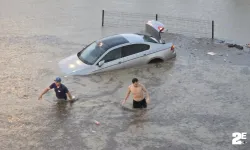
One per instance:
(72, 65)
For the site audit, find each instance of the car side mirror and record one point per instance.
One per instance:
(101, 63)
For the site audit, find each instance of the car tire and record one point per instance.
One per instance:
(155, 60)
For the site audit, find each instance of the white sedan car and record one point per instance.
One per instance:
(120, 51)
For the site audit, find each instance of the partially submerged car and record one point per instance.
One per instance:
(120, 51)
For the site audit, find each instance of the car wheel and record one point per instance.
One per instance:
(156, 60)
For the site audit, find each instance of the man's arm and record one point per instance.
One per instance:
(147, 94)
(45, 91)
(68, 93)
(127, 95)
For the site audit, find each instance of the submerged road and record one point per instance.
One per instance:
(198, 100)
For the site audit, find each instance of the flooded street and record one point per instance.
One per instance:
(198, 100)
(71, 19)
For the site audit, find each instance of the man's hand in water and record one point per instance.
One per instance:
(40, 97)
(70, 96)
(124, 101)
(45, 91)
(127, 95)
(147, 99)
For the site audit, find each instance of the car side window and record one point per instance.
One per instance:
(133, 49)
(112, 55)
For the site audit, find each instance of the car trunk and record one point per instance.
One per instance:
(154, 29)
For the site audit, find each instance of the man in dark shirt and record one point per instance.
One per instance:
(60, 90)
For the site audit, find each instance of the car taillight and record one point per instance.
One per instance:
(172, 48)
(161, 28)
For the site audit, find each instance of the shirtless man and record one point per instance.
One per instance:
(137, 91)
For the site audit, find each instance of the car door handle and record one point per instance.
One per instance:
(119, 62)
(144, 54)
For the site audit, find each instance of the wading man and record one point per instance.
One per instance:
(137, 91)
(60, 90)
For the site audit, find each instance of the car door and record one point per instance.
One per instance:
(112, 60)
(134, 54)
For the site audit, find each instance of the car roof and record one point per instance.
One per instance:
(133, 38)
(119, 39)
(112, 41)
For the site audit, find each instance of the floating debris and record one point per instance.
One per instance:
(25, 96)
(211, 53)
(231, 45)
(236, 46)
(221, 41)
(239, 47)
(96, 122)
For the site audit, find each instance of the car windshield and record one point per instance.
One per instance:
(91, 53)
(147, 38)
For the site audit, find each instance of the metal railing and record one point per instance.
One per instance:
(179, 25)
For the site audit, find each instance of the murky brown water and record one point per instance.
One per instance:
(196, 99)
(64, 18)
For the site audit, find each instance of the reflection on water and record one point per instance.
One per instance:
(139, 118)
(62, 109)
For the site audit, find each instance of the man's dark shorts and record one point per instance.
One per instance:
(140, 104)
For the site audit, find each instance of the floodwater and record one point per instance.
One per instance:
(76, 17)
(198, 100)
